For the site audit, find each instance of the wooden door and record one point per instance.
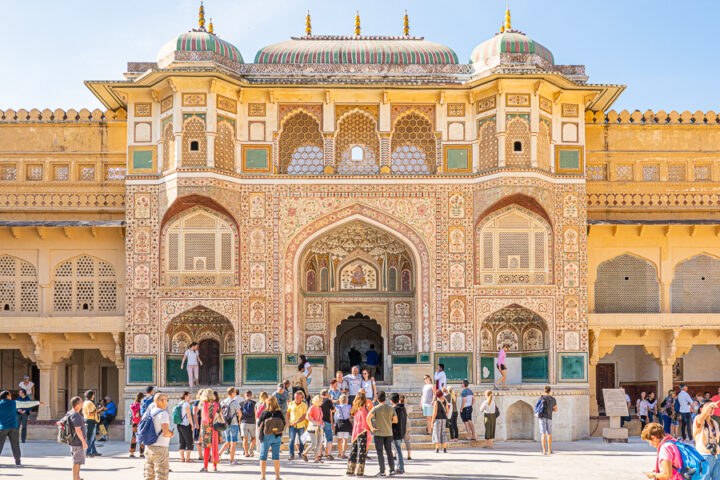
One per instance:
(605, 378)
(210, 357)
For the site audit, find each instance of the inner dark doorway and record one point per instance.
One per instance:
(210, 357)
(605, 378)
(359, 331)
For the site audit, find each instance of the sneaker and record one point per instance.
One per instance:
(292, 457)
(234, 462)
(203, 469)
(392, 473)
(399, 472)
(381, 474)
(142, 455)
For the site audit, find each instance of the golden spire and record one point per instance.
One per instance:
(210, 27)
(201, 17)
(308, 26)
(357, 23)
(406, 24)
(507, 18)
(502, 27)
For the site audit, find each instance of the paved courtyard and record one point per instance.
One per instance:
(587, 460)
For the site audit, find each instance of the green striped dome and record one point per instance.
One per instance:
(511, 41)
(201, 41)
(357, 50)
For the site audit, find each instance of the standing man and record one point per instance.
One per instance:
(399, 429)
(440, 377)
(545, 417)
(355, 357)
(426, 402)
(28, 386)
(502, 355)
(354, 383)
(157, 455)
(281, 395)
(297, 420)
(108, 416)
(467, 400)
(685, 410)
(328, 412)
(372, 362)
(147, 400)
(229, 408)
(385, 417)
(78, 445)
(91, 414)
(192, 356)
(247, 424)
(9, 422)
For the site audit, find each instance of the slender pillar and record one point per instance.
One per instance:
(48, 390)
(592, 379)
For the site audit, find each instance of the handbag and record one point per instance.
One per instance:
(306, 437)
(273, 426)
(218, 423)
(497, 412)
(343, 425)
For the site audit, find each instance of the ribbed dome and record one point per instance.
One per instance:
(200, 41)
(356, 50)
(492, 51)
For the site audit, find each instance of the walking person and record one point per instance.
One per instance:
(343, 425)
(108, 416)
(467, 400)
(642, 408)
(452, 421)
(440, 377)
(90, 412)
(685, 410)
(315, 428)
(354, 383)
(299, 382)
(192, 357)
(368, 384)
(399, 429)
(134, 421)
(502, 355)
(271, 424)
(669, 461)
(439, 419)
(23, 414)
(281, 395)
(9, 422)
(406, 438)
(157, 455)
(78, 444)
(385, 417)
(247, 424)
(372, 360)
(361, 436)
(426, 402)
(328, 412)
(545, 419)
(209, 408)
(185, 428)
(307, 372)
(706, 433)
(229, 408)
(489, 409)
(297, 421)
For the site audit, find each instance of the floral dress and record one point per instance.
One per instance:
(208, 434)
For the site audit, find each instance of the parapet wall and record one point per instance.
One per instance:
(60, 115)
(652, 118)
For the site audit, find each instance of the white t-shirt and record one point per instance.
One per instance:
(192, 357)
(427, 394)
(685, 401)
(306, 372)
(488, 407)
(367, 385)
(27, 387)
(440, 379)
(158, 420)
(642, 407)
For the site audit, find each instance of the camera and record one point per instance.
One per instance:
(712, 448)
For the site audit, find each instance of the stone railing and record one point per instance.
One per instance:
(60, 115)
(661, 117)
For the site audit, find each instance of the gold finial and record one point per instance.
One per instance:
(406, 25)
(210, 27)
(507, 18)
(357, 23)
(201, 17)
(502, 27)
(308, 26)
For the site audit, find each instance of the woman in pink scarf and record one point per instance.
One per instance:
(361, 436)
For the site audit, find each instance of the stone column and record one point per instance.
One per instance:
(48, 390)
(593, 360)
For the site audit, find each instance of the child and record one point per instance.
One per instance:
(343, 426)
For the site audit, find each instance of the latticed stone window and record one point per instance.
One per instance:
(168, 147)
(488, 155)
(702, 173)
(676, 173)
(85, 284)
(87, 173)
(18, 286)
(225, 146)
(8, 172)
(34, 173)
(651, 173)
(194, 141)
(357, 145)
(200, 249)
(696, 286)
(115, 172)
(514, 248)
(413, 145)
(61, 173)
(517, 143)
(624, 173)
(300, 145)
(597, 173)
(627, 284)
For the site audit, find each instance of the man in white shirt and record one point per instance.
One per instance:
(685, 401)
(192, 356)
(232, 434)
(28, 386)
(440, 377)
(354, 382)
(157, 455)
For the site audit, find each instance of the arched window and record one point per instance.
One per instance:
(225, 146)
(513, 247)
(695, 286)
(300, 145)
(357, 145)
(413, 145)
(517, 143)
(194, 142)
(85, 285)
(18, 286)
(168, 147)
(627, 284)
(200, 249)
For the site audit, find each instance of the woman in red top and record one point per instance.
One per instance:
(209, 407)
(361, 436)
(135, 420)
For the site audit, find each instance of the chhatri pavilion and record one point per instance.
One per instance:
(349, 190)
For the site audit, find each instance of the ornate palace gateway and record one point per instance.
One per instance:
(347, 190)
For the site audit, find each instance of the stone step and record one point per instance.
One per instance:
(417, 444)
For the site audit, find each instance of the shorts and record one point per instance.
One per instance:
(427, 410)
(186, 437)
(501, 366)
(343, 435)
(232, 433)
(466, 414)
(270, 443)
(77, 454)
(327, 428)
(545, 426)
(247, 430)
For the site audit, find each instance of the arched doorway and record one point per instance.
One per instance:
(353, 337)
(216, 338)
(519, 421)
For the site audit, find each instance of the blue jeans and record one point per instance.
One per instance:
(713, 470)
(327, 429)
(271, 441)
(666, 421)
(398, 449)
(293, 432)
(91, 426)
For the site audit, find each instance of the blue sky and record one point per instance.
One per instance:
(664, 51)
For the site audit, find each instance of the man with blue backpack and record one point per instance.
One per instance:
(544, 409)
(154, 432)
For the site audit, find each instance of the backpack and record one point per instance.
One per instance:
(694, 465)
(146, 434)
(225, 409)
(248, 409)
(273, 426)
(146, 403)
(66, 432)
(539, 407)
(177, 413)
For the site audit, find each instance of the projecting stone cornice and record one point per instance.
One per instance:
(653, 321)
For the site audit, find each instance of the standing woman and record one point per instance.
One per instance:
(343, 425)
(439, 418)
(209, 407)
(135, 420)
(653, 411)
(185, 428)
(642, 407)
(192, 357)
(307, 372)
(488, 407)
(452, 424)
(315, 428)
(361, 436)
(269, 440)
(368, 384)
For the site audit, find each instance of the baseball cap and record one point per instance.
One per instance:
(281, 385)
